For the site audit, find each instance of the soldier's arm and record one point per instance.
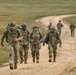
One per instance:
(20, 35)
(2, 39)
(29, 32)
(42, 37)
(45, 39)
(30, 37)
(70, 26)
(62, 25)
(74, 27)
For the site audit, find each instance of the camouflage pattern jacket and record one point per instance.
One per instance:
(11, 35)
(72, 27)
(52, 38)
(59, 25)
(36, 37)
(25, 37)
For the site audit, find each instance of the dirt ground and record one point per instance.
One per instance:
(66, 57)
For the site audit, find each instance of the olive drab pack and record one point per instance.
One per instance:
(47, 38)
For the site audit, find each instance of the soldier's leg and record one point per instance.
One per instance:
(50, 53)
(37, 56)
(33, 53)
(54, 53)
(11, 56)
(73, 33)
(21, 53)
(16, 48)
(26, 47)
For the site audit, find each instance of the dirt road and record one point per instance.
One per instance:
(66, 57)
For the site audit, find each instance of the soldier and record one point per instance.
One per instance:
(13, 37)
(72, 28)
(52, 39)
(36, 39)
(49, 26)
(24, 43)
(59, 26)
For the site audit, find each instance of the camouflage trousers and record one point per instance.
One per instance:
(52, 51)
(24, 52)
(35, 51)
(72, 33)
(13, 54)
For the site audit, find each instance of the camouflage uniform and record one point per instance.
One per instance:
(37, 38)
(53, 39)
(13, 46)
(59, 26)
(24, 43)
(49, 26)
(72, 28)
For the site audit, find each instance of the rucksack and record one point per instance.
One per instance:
(47, 38)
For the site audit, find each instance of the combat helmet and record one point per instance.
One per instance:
(9, 23)
(36, 26)
(24, 25)
(59, 20)
(12, 23)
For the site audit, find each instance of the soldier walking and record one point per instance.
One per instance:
(59, 27)
(13, 36)
(72, 29)
(24, 43)
(52, 39)
(36, 39)
(49, 26)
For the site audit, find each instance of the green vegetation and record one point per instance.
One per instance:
(27, 11)
(71, 20)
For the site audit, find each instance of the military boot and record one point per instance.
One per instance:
(11, 66)
(54, 59)
(33, 59)
(50, 59)
(37, 61)
(15, 66)
(25, 61)
(21, 61)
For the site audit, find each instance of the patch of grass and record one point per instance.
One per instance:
(71, 20)
(3, 55)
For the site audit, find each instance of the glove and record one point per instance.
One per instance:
(43, 44)
(16, 40)
(2, 45)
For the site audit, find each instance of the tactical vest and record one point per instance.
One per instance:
(72, 27)
(59, 25)
(25, 39)
(51, 38)
(36, 36)
(11, 35)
